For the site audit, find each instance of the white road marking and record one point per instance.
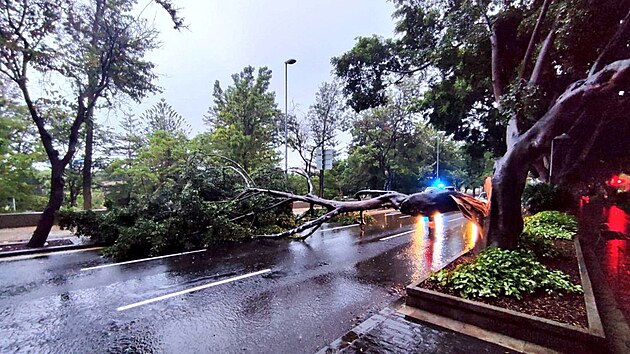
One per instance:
(340, 227)
(141, 260)
(39, 255)
(405, 216)
(461, 217)
(397, 235)
(394, 213)
(197, 288)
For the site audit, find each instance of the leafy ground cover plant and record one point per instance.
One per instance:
(552, 225)
(496, 272)
(540, 231)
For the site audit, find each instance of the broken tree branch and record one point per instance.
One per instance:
(424, 203)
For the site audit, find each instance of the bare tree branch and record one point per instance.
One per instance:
(472, 209)
(607, 55)
(304, 174)
(533, 39)
(543, 56)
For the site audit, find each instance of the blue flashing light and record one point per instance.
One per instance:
(438, 184)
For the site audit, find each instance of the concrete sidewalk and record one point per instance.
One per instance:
(389, 332)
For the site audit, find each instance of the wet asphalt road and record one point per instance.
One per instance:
(305, 294)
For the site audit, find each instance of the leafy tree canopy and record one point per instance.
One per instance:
(244, 120)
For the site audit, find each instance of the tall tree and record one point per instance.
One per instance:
(378, 134)
(539, 96)
(244, 120)
(56, 39)
(93, 50)
(318, 130)
(162, 116)
(128, 143)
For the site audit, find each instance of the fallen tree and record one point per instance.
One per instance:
(424, 203)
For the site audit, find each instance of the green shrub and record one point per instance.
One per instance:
(543, 196)
(541, 229)
(552, 225)
(496, 272)
(175, 219)
(540, 246)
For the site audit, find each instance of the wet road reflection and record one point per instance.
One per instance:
(314, 292)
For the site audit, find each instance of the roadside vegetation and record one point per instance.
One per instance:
(496, 272)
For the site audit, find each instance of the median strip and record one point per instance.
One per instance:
(397, 235)
(168, 296)
(141, 260)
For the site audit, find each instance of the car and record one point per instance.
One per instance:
(482, 197)
(438, 189)
(431, 189)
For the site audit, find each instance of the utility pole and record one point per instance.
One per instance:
(286, 116)
(437, 159)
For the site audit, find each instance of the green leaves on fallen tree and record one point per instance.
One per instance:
(175, 219)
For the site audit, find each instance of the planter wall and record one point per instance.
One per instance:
(551, 334)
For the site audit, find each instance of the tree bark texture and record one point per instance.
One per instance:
(55, 200)
(529, 53)
(87, 161)
(596, 96)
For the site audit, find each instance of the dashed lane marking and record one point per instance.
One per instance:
(187, 291)
(397, 235)
(141, 260)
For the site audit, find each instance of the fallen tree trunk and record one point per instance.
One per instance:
(424, 203)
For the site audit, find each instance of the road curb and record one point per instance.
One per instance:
(46, 250)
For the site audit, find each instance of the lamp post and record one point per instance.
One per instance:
(437, 158)
(286, 115)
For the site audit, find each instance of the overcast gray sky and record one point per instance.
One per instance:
(226, 35)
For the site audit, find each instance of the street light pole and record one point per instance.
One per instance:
(437, 158)
(286, 115)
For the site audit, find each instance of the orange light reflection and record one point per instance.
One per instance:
(438, 240)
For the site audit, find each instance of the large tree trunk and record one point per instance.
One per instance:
(508, 182)
(89, 122)
(87, 162)
(55, 200)
(598, 97)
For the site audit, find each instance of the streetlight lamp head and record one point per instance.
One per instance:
(290, 61)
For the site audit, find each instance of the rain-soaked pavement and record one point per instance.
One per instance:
(264, 296)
